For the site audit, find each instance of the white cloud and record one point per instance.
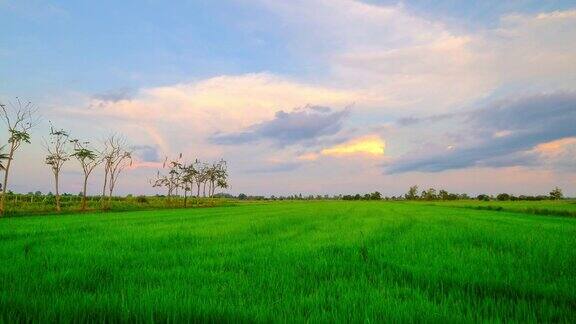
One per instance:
(405, 64)
(536, 49)
(180, 118)
(394, 59)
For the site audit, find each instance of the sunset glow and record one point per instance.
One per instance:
(371, 145)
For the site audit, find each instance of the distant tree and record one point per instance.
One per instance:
(89, 159)
(188, 175)
(444, 195)
(56, 147)
(221, 176)
(199, 176)
(205, 176)
(19, 119)
(463, 196)
(116, 157)
(556, 194)
(483, 197)
(412, 193)
(173, 179)
(242, 196)
(375, 195)
(429, 194)
(175, 175)
(503, 196)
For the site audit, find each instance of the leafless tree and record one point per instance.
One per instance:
(199, 176)
(56, 147)
(222, 176)
(174, 175)
(19, 119)
(218, 176)
(185, 176)
(188, 179)
(204, 177)
(89, 159)
(173, 179)
(116, 157)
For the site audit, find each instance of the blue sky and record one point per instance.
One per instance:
(175, 77)
(53, 45)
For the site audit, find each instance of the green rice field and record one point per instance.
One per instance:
(326, 261)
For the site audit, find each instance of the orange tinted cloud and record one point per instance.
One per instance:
(371, 145)
(556, 147)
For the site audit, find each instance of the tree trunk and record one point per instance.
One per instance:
(111, 187)
(83, 206)
(204, 190)
(105, 182)
(57, 192)
(185, 197)
(5, 187)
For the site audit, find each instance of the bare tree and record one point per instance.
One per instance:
(187, 179)
(204, 177)
(56, 147)
(172, 181)
(117, 157)
(215, 176)
(121, 157)
(89, 159)
(186, 176)
(107, 160)
(19, 119)
(221, 175)
(199, 176)
(159, 181)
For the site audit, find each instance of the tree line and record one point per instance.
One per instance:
(412, 194)
(20, 117)
(433, 194)
(191, 177)
(113, 154)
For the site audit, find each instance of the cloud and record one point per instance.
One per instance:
(115, 95)
(288, 128)
(147, 153)
(395, 59)
(370, 145)
(183, 117)
(274, 167)
(410, 121)
(559, 154)
(535, 49)
(503, 133)
(400, 62)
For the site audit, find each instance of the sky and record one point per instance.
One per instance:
(303, 96)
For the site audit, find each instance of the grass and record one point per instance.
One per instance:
(566, 207)
(27, 205)
(290, 261)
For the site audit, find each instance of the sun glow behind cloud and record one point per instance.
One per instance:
(371, 145)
